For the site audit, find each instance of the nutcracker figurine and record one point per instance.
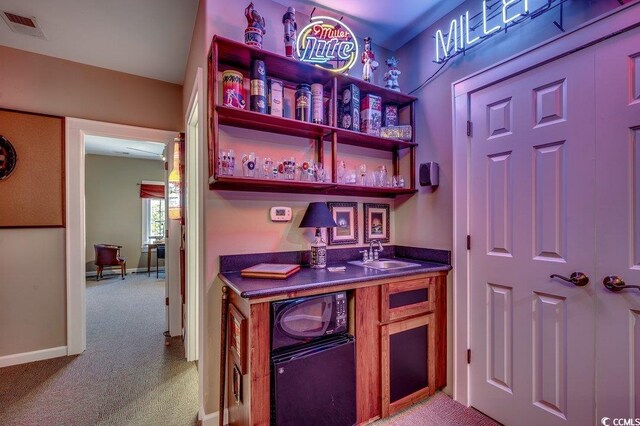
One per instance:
(368, 60)
(392, 74)
(290, 31)
(255, 27)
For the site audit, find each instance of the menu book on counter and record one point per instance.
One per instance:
(278, 271)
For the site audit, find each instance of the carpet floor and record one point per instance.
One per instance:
(439, 410)
(127, 376)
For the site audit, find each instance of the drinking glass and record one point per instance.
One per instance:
(363, 173)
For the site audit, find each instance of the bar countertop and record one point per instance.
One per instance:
(310, 279)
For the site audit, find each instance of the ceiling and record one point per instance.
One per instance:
(389, 24)
(113, 147)
(149, 38)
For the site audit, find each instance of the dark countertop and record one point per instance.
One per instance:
(308, 279)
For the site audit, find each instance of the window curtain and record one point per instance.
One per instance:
(151, 190)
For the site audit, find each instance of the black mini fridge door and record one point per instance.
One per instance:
(315, 384)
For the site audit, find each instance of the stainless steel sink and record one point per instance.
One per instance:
(385, 264)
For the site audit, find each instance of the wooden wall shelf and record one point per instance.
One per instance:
(228, 54)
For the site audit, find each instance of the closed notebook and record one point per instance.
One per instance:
(270, 270)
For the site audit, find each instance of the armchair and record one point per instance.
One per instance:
(109, 255)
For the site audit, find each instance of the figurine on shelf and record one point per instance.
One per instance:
(290, 31)
(255, 27)
(392, 74)
(368, 60)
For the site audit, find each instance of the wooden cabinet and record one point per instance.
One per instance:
(400, 334)
(227, 54)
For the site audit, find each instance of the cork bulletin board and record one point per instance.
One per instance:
(33, 194)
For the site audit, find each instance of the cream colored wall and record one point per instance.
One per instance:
(32, 293)
(32, 290)
(113, 204)
(238, 222)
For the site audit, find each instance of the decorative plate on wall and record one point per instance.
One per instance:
(8, 158)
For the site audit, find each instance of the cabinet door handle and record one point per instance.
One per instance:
(577, 278)
(616, 284)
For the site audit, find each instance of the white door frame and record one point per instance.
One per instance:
(75, 131)
(620, 19)
(194, 262)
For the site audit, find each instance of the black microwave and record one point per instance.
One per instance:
(302, 320)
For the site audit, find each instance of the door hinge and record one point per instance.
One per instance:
(468, 242)
(468, 356)
(469, 128)
(166, 301)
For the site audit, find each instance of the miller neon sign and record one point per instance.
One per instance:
(496, 15)
(326, 40)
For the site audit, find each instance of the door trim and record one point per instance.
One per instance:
(75, 235)
(592, 32)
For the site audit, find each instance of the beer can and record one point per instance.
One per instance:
(258, 85)
(303, 102)
(317, 102)
(232, 90)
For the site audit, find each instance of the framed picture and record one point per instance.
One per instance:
(376, 222)
(346, 216)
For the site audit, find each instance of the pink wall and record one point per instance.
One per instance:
(47, 85)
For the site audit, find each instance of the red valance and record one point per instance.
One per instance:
(149, 190)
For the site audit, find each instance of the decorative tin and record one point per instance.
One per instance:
(258, 74)
(276, 93)
(303, 102)
(350, 117)
(396, 132)
(371, 115)
(255, 27)
(317, 101)
(232, 91)
(390, 115)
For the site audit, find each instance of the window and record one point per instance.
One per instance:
(153, 220)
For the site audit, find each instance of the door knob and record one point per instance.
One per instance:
(616, 284)
(577, 278)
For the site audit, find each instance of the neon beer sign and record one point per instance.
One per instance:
(325, 41)
(496, 15)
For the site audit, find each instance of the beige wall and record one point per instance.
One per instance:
(32, 261)
(32, 290)
(113, 204)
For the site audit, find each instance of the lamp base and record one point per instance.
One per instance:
(318, 255)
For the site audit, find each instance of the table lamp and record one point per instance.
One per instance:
(318, 216)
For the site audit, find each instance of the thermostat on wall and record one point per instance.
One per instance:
(280, 214)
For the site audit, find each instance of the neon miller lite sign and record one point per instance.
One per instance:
(496, 16)
(326, 40)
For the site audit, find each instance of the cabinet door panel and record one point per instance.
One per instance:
(408, 362)
(404, 299)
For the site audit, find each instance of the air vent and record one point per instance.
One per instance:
(23, 24)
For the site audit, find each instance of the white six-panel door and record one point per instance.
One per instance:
(531, 198)
(618, 225)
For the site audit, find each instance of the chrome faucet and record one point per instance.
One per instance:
(374, 253)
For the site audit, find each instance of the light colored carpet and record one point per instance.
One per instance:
(127, 376)
(439, 410)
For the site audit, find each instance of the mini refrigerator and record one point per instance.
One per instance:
(315, 384)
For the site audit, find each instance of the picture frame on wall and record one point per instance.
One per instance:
(346, 216)
(377, 222)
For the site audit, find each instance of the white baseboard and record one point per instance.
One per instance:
(129, 271)
(212, 418)
(7, 360)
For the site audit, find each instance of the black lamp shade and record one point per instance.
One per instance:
(318, 216)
